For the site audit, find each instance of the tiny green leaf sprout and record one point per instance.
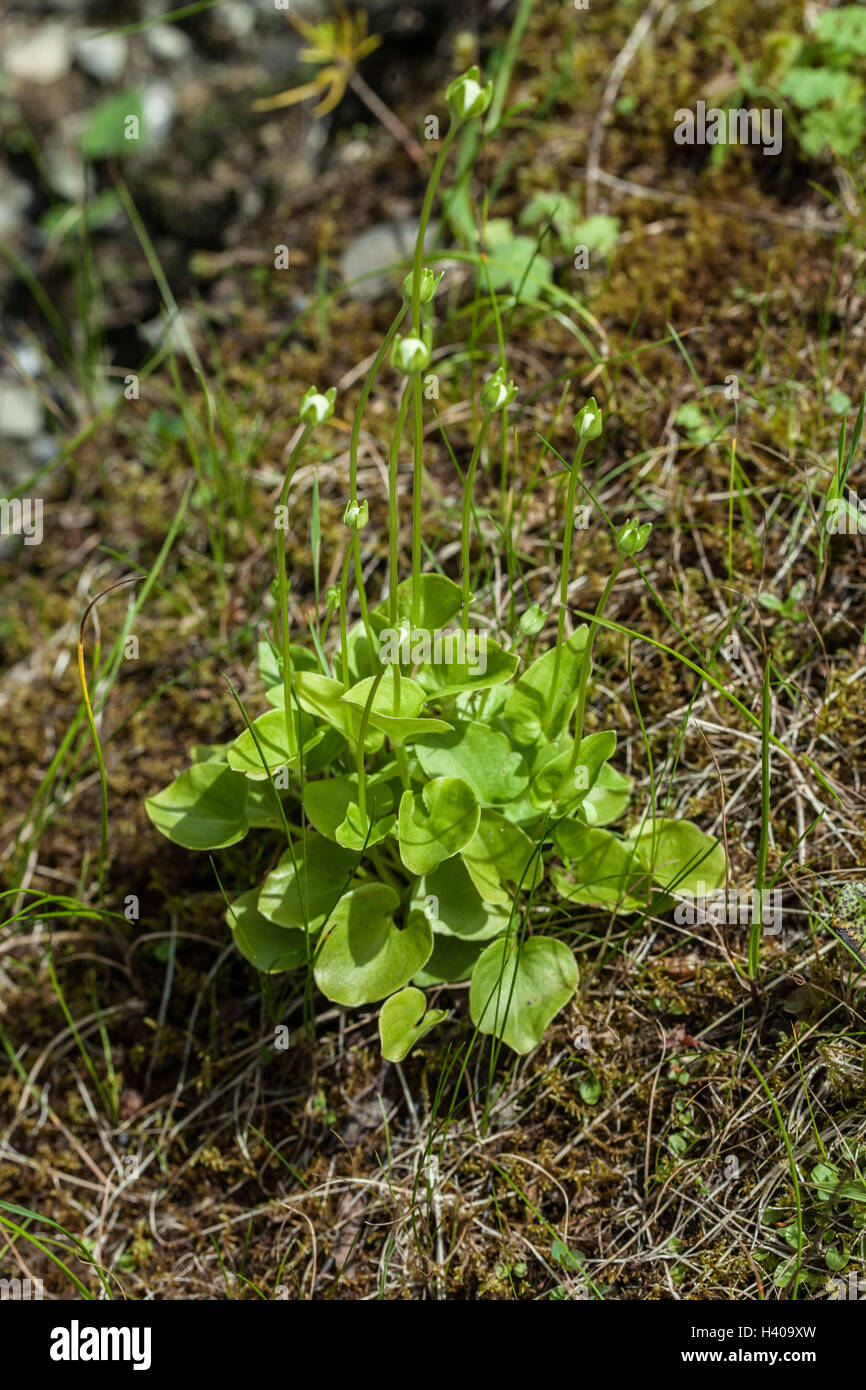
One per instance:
(466, 97)
(429, 801)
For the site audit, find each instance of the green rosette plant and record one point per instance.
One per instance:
(435, 788)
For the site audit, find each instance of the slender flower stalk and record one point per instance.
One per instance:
(282, 615)
(496, 396)
(467, 512)
(353, 459)
(587, 426)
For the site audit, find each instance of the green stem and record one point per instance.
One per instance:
(393, 508)
(283, 613)
(353, 460)
(764, 841)
(417, 481)
(359, 754)
(567, 533)
(426, 209)
(467, 512)
(344, 620)
(586, 667)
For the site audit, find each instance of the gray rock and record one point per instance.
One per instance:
(158, 108)
(102, 56)
(42, 55)
(167, 42)
(21, 410)
(15, 197)
(378, 248)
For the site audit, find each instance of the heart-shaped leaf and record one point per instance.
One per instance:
(403, 1021)
(306, 884)
(501, 854)
(605, 869)
(482, 666)
(516, 991)
(543, 700)
(554, 779)
(321, 696)
(439, 600)
(451, 960)
(454, 907)
(327, 802)
(680, 857)
(364, 957)
(607, 802)
(359, 832)
(270, 732)
(266, 946)
(436, 822)
(204, 808)
(395, 707)
(481, 756)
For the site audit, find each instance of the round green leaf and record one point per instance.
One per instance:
(541, 705)
(403, 1022)
(364, 957)
(501, 854)
(451, 960)
(481, 756)
(436, 822)
(270, 731)
(327, 803)
(439, 600)
(205, 808)
(515, 992)
(605, 869)
(454, 907)
(680, 857)
(306, 884)
(268, 947)
(607, 801)
(481, 668)
(395, 707)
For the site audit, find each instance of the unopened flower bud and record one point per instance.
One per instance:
(497, 393)
(356, 515)
(466, 97)
(588, 422)
(317, 408)
(632, 538)
(532, 621)
(410, 354)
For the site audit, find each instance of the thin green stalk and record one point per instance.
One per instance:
(426, 209)
(359, 753)
(100, 762)
(567, 534)
(393, 509)
(283, 605)
(586, 667)
(344, 618)
(467, 511)
(764, 842)
(417, 480)
(353, 459)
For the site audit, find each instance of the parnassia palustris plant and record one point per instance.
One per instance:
(432, 785)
